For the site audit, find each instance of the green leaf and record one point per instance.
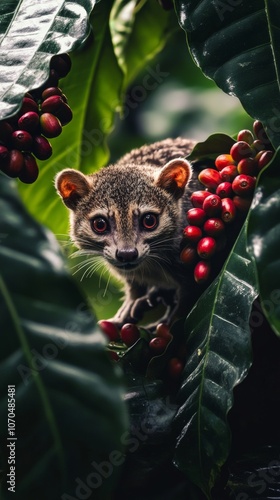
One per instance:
(69, 410)
(93, 88)
(238, 47)
(30, 34)
(219, 347)
(213, 146)
(264, 237)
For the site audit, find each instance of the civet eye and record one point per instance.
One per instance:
(149, 221)
(99, 225)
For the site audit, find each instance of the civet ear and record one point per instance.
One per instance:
(174, 176)
(71, 185)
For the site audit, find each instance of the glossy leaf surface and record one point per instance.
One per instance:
(69, 411)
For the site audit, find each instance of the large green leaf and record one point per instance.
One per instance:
(219, 348)
(237, 45)
(30, 34)
(69, 411)
(263, 240)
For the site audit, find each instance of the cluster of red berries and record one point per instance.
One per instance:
(43, 113)
(229, 192)
(158, 342)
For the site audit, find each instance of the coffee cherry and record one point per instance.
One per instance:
(212, 205)
(129, 334)
(264, 159)
(239, 150)
(22, 140)
(41, 147)
(188, 255)
(52, 104)
(245, 136)
(242, 204)
(223, 161)
(109, 329)
(30, 170)
(247, 166)
(202, 271)
(158, 345)
(210, 178)
(243, 185)
(50, 125)
(14, 164)
(175, 368)
(4, 153)
(228, 210)
(196, 216)
(6, 131)
(229, 173)
(192, 233)
(257, 146)
(29, 121)
(214, 227)
(224, 190)
(260, 132)
(206, 247)
(64, 113)
(28, 105)
(50, 92)
(61, 63)
(198, 197)
(162, 330)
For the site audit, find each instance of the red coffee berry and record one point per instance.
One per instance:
(64, 114)
(61, 63)
(245, 136)
(202, 271)
(192, 233)
(196, 216)
(50, 92)
(129, 334)
(4, 153)
(22, 140)
(162, 330)
(28, 104)
(214, 227)
(239, 150)
(50, 125)
(212, 205)
(158, 345)
(258, 146)
(188, 255)
(228, 210)
(110, 330)
(223, 161)
(52, 104)
(30, 170)
(6, 131)
(264, 159)
(210, 178)
(243, 185)
(247, 166)
(260, 132)
(14, 164)
(29, 121)
(228, 173)
(198, 197)
(224, 190)
(41, 147)
(175, 368)
(242, 204)
(206, 247)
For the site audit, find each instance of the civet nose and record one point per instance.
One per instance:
(127, 254)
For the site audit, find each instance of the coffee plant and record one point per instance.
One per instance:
(187, 411)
